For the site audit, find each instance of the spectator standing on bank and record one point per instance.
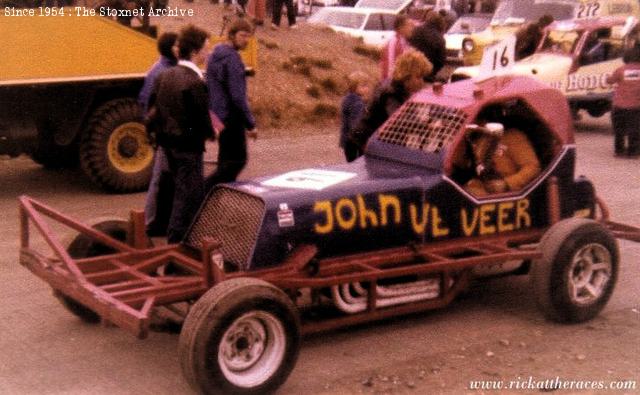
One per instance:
(395, 46)
(257, 10)
(160, 194)
(408, 78)
(277, 13)
(625, 115)
(429, 39)
(228, 102)
(180, 118)
(353, 107)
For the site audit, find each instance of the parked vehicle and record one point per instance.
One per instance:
(575, 57)
(511, 15)
(76, 102)
(373, 26)
(391, 233)
(464, 26)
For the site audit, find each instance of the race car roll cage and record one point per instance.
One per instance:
(124, 286)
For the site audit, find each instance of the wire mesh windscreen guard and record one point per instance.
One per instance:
(233, 218)
(422, 126)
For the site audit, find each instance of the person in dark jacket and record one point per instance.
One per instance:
(353, 106)
(179, 109)
(429, 39)
(528, 37)
(159, 198)
(408, 78)
(228, 102)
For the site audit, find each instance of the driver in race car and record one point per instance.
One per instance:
(501, 161)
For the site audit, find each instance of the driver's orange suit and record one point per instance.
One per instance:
(514, 160)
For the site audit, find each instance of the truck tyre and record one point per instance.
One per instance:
(242, 337)
(81, 246)
(114, 149)
(50, 154)
(575, 277)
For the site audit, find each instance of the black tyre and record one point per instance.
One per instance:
(52, 154)
(81, 246)
(114, 149)
(599, 108)
(577, 273)
(241, 337)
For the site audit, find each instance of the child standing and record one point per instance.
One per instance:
(625, 115)
(353, 107)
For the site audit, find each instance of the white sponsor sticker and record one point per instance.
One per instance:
(285, 216)
(314, 179)
(632, 75)
(253, 188)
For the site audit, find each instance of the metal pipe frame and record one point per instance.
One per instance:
(124, 287)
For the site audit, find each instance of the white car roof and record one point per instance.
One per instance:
(402, 5)
(361, 10)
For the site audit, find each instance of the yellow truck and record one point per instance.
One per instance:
(68, 89)
(69, 83)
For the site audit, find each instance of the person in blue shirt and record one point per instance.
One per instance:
(353, 107)
(159, 198)
(228, 103)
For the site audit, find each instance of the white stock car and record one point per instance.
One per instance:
(374, 26)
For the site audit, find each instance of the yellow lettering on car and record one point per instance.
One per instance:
(469, 228)
(386, 202)
(419, 226)
(503, 216)
(324, 207)
(436, 224)
(346, 220)
(365, 214)
(486, 220)
(522, 214)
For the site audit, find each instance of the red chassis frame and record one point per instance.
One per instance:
(123, 287)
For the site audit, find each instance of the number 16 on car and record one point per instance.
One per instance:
(498, 59)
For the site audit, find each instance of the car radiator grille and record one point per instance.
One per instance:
(233, 218)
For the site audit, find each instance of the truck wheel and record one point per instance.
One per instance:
(576, 275)
(52, 155)
(114, 150)
(81, 246)
(242, 336)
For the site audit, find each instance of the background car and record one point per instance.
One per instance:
(461, 29)
(575, 57)
(373, 26)
(511, 15)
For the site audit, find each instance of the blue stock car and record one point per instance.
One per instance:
(394, 232)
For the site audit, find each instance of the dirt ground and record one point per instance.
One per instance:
(493, 332)
(301, 73)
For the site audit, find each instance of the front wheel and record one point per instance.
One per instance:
(241, 337)
(577, 273)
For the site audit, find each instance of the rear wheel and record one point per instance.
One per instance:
(114, 150)
(242, 336)
(81, 246)
(577, 273)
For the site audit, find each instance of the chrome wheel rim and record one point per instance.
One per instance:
(589, 273)
(252, 349)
